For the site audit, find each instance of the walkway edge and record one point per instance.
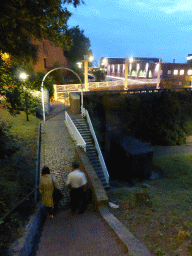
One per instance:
(134, 246)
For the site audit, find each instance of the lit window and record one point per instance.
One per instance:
(175, 72)
(190, 72)
(169, 72)
(182, 72)
(150, 74)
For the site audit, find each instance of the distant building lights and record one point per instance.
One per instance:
(104, 62)
(189, 58)
(131, 60)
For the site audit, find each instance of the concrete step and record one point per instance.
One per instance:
(83, 128)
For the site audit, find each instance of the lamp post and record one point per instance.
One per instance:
(86, 61)
(127, 61)
(24, 76)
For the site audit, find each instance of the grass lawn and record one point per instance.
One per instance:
(161, 217)
(19, 170)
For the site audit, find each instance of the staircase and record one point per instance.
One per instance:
(83, 128)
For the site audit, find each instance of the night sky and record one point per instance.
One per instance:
(125, 28)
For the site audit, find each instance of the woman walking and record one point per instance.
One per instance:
(46, 187)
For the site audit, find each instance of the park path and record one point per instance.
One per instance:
(70, 234)
(58, 148)
(172, 150)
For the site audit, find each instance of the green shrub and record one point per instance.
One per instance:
(36, 81)
(8, 144)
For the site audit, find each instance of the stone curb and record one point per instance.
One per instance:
(24, 245)
(134, 246)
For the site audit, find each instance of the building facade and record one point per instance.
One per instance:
(48, 56)
(170, 74)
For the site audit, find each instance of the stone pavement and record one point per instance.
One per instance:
(57, 151)
(67, 234)
(78, 235)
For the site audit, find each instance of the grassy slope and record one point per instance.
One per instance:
(18, 171)
(23, 162)
(164, 223)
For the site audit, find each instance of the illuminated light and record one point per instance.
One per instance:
(182, 72)
(189, 72)
(79, 64)
(175, 72)
(23, 76)
(131, 59)
(104, 62)
(5, 56)
(189, 58)
(91, 58)
(138, 66)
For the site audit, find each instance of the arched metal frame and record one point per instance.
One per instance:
(44, 80)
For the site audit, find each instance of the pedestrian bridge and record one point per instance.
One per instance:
(61, 91)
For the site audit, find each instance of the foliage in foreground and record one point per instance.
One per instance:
(18, 93)
(36, 19)
(17, 171)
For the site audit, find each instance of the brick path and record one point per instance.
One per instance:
(57, 146)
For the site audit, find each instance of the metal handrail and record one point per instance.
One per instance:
(5, 216)
(74, 132)
(37, 179)
(101, 159)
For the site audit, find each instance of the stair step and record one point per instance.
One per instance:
(91, 151)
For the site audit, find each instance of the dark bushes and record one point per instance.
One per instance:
(162, 118)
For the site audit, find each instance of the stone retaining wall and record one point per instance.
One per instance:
(99, 196)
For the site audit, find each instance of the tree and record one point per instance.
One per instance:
(20, 20)
(80, 45)
(99, 75)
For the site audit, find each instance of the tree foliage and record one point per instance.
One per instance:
(80, 45)
(17, 92)
(22, 19)
(99, 75)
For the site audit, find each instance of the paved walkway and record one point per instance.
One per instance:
(67, 234)
(57, 146)
(172, 150)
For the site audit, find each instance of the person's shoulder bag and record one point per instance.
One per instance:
(57, 195)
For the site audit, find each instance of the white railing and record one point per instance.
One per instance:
(74, 132)
(101, 159)
(60, 89)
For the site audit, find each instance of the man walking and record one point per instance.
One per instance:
(77, 182)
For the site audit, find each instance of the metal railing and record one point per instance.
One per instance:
(60, 89)
(13, 209)
(101, 159)
(34, 191)
(74, 132)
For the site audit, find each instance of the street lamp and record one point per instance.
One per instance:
(23, 77)
(79, 64)
(86, 61)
